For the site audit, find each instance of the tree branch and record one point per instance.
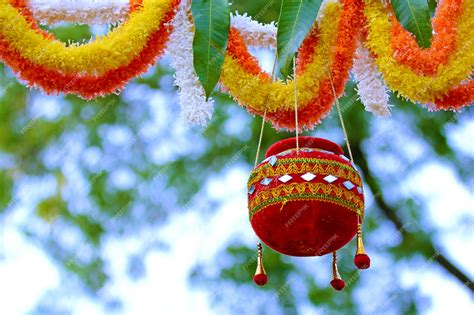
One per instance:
(390, 213)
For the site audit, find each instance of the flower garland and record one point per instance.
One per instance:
(251, 87)
(90, 86)
(439, 75)
(23, 7)
(370, 87)
(443, 43)
(255, 34)
(401, 78)
(462, 95)
(326, 45)
(79, 11)
(194, 107)
(116, 49)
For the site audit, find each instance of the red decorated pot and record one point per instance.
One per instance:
(305, 203)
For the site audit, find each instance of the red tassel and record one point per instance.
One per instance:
(362, 261)
(337, 283)
(260, 278)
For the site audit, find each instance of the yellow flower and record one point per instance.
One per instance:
(115, 49)
(400, 78)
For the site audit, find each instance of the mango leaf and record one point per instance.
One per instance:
(414, 15)
(211, 22)
(296, 19)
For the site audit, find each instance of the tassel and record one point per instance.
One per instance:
(361, 259)
(337, 283)
(260, 278)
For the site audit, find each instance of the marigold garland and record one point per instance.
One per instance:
(443, 43)
(332, 46)
(253, 88)
(118, 48)
(24, 8)
(462, 95)
(240, 69)
(405, 81)
(89, 86)
(439, 75)
(320, 105)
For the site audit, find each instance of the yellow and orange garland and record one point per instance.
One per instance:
(100, 67)
(432, 75)
(427, 76)
(439, 76)
(327, 49)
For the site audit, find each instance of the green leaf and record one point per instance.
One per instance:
(296, 20)
(50, 209)
(70, 34)
(211, 22)
(414, 15)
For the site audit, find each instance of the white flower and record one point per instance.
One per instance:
(194, 107)
(79, 11)
(370, 86)
(254, 33)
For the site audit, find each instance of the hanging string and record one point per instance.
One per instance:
(338, 106)
(260, 137)
(264, 116)
(266, 105)
(296, 108)
(259, 245)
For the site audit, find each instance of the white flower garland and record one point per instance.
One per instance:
(255, 34)
(259, 35)
(370, 86)
(192, 98)
(195, 109)
(79, 11)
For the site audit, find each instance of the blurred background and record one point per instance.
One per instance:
(116, 206)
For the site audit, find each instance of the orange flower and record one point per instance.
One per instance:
(457, 97)
(320, 103)
(22, 6)
(87, 86)
(443, 43)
